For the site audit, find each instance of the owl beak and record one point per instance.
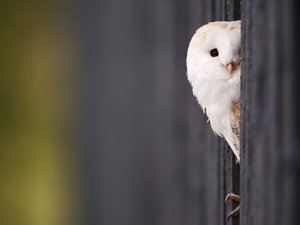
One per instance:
(231, 67)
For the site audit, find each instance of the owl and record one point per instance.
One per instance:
(213, 69)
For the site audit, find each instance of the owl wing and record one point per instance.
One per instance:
(232, 133)
(235, 124)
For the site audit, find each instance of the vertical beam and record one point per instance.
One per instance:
(270, 134)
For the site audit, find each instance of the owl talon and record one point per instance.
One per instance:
(233, 197)
(236, 211)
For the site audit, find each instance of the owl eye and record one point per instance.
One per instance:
(214, 52)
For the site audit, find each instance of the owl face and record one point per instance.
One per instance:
(214, 52)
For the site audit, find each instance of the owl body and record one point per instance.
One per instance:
(213, 69)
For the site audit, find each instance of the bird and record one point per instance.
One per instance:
(214, 71)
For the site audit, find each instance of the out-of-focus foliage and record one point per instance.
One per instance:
(36, 161)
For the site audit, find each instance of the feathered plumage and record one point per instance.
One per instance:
(213, 69)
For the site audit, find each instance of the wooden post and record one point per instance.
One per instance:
(270, 124)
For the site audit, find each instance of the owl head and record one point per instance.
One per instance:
(213, 60)
(214, 51)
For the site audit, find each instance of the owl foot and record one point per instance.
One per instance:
(236, 211)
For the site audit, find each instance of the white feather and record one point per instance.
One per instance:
(215, 88)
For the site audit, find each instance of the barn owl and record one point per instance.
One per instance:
(213, 69)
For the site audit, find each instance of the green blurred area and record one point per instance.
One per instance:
(36, 162)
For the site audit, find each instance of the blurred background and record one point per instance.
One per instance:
(38, 157)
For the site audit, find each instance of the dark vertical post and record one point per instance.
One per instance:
(270, 106)
(291, 27)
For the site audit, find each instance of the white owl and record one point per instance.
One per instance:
(213, 69)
